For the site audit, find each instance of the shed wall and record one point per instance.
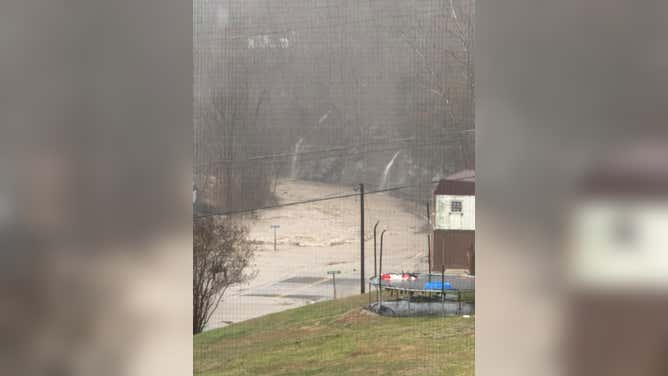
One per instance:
(453, 248)
(445, 219)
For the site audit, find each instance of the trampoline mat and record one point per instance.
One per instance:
(425, 280)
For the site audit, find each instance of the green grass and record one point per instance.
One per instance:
(338, 338)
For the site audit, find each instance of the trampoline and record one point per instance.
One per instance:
(423, 294)
(426, 282)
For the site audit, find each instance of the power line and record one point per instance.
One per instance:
(238, 163)
(209, 214)
(296, 26)
(320, 154)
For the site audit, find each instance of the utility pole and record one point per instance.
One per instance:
(362, 279)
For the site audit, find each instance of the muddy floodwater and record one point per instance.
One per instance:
(315, 238)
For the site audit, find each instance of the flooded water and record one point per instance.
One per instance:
(316, 238)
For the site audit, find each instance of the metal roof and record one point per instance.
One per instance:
(641, 168)
(459, 183)
(463, 175)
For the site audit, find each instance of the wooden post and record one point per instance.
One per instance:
(380, 270)
(429, 251)
(333, 273)
(443, 282)
(429, 237)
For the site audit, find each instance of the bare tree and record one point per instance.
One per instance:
(442, 44)
(222, 255)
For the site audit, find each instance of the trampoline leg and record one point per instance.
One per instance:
(380, 297)
(369, 294)
(459, 302)
(443, 307)
(443, 282)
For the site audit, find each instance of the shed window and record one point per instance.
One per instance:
(455, 206)
(623, 231)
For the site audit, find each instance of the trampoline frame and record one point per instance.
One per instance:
(465, 283)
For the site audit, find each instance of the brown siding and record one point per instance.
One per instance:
(452, 187)
(453, 248)
(460, 183)
(617, 335)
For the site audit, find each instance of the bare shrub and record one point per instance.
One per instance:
(222, 255)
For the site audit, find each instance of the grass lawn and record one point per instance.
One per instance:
(338, 338)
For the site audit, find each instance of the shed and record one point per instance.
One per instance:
(454, 222)
(617, 269)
